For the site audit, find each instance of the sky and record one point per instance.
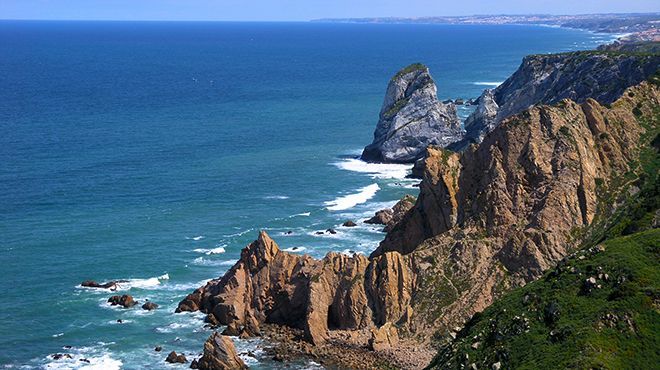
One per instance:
(301, 10)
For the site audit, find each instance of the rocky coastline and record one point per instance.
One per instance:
(524, 192)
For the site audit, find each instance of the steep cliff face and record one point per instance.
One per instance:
(497, 216)
(411, 119)
(548, 79)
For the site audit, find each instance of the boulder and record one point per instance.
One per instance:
(411, 119)
(174, 358)
(384, 337)
(349, 223)
(125, 301)
(149, 306)
(382, 217)
(219, 353)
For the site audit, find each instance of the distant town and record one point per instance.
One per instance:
(636, 27)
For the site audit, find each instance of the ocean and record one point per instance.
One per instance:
(155, 151)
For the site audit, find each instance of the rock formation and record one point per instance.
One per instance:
(548, 79)
(220, 354)
(411, 119)
(391, 216)
(268, 285)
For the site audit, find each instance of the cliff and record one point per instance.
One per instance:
(548, 79)
(487, 220)
(495, 217)
(411, 119)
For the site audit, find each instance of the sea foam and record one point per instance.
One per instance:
(375, 170)
(486, 83)
(351, 200)
(208, 252)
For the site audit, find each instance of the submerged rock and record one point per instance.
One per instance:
(411, 119)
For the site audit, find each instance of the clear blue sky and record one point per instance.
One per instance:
(298, 10)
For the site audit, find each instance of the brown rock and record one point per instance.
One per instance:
(349, 223)
(382, 217)
(175, 358)
(125, 301)
(149, 306)
(384, 337)
(232, 330)
(219, 353)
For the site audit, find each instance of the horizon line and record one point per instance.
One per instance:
(324, 18)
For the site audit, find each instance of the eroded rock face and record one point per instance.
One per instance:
(498, 215)
(548, 79)
(273, 286)
(219, 354)
(411, 119)
(436, 208)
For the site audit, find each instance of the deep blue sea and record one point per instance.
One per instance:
(155, 151)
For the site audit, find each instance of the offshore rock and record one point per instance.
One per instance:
(219, 354)
(411, 119)
(548, 79)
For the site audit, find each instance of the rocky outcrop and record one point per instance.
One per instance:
(268, 285)
(411, 119)
(436, 208)
(548, 79)
(220, 354)
(392, 216)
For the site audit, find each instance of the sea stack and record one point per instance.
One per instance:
(411, 119)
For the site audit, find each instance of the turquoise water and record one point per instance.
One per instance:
(155, 151)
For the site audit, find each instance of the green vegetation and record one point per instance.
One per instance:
(396, 108)
(411, 68)
(564, 321)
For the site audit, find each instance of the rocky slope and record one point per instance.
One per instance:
(547, 79)
(411, 119)
(597, 309)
